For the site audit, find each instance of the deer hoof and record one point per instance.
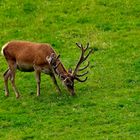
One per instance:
(6, 94)
(38, 95)
(17, 96)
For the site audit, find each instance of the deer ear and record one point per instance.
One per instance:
(70, 71)
(50, 58)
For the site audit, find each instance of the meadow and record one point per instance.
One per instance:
(107, 105)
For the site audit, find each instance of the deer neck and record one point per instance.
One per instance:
(60, 70)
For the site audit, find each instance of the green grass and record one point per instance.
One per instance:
(107, 106)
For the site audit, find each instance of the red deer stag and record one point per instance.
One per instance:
(39, 57)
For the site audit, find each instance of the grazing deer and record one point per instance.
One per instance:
(39, 57)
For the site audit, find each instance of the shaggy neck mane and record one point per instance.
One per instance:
(60, 70)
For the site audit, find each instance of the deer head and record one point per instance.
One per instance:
(69, 77)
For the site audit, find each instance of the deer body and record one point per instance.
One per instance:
(38, 57)
(27, 54)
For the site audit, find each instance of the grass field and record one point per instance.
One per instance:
(107, 106)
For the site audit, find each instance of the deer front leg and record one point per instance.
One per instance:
(38, 80)
(55, 82)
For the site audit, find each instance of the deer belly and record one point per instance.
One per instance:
(25, 67)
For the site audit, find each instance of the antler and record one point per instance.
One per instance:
(81, 60)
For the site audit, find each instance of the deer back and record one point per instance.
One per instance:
(27, 52)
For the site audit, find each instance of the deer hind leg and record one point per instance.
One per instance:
(55, 82)
(12, 68)
(6, 75)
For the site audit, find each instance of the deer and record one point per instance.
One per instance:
(40, 58)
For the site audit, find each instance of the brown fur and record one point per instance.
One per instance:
(39, 57)
(28, 56)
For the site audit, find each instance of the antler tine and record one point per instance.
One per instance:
(86, 47)
(88, 54)
(79, 45)
(80, 79)
(80, 60)
(84, 67)
(80, 75)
